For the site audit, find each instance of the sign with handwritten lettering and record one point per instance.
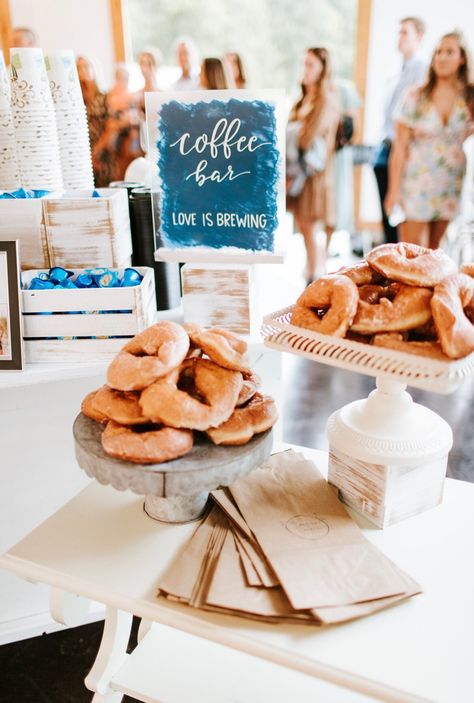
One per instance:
(217, 169)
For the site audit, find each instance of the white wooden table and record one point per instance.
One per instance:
(102, 546)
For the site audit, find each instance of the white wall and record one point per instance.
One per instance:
(384, 60)
(81, 25)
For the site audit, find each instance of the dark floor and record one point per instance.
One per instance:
(52, 668)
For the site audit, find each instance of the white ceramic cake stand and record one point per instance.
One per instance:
(176, 491)
(386, 429)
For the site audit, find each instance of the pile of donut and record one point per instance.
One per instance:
(171, 380)
(402, 296)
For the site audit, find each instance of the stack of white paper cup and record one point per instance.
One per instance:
(34, 121)
(9, 173)
(71, 120)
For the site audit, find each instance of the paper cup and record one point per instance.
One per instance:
(29, 82)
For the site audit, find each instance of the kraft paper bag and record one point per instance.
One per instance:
(229, 593)
(247, 541)
(251, 576)
(319, 555)
(180, 579)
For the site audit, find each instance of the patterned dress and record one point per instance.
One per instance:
(435, 167)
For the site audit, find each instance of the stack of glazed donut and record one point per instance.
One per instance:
(170, 381)
(403, 296)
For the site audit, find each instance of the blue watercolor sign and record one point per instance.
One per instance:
(218, 164)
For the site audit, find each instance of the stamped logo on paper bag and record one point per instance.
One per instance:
(307, 526)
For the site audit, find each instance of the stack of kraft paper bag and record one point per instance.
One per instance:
(279, 546)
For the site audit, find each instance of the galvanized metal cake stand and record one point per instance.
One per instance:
(377, 443)
(175, 491)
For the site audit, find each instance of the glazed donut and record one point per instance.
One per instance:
(88, 409)
(411, 264)
(147, 444)
(455, 330)
(221, 346)
(258, 415)
(251, 382)
(371, 293)
(468, 269)
(328, 306)
(393, 340)
(148, 356)
(408, 308)
(212, 403)
(361, 274)
(120, 406)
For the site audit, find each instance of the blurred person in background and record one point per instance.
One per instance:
(23, 37)
(97, 115)
(412, 73)
(349, 102)
(214, 75)
(428, 163)
(187, 56)
(121, 136)
(311, 134)
(149, 62)
(237, 69)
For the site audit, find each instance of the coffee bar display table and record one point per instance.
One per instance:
(102, 546)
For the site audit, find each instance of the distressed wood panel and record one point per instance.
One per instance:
(57, 351)
(85, 232)
(220, 296)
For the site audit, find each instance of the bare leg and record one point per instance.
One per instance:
(329, 232)
(412, 232)
(436, 232)
(315, 259)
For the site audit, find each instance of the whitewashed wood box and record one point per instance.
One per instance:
(23, 219)
(86, 232)
(84, 325)
(216, 295)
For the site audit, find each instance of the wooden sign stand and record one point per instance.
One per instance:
(222, 295)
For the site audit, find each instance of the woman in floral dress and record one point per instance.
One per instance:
(427, 164)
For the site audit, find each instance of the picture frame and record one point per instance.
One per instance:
(11, 337)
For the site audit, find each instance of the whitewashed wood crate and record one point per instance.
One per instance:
(67, 334)
(85, 232)
(23, 219)
(387, 493)
(217, 295)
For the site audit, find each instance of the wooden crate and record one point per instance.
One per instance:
(79, 324)
(23, 219)
(386, 493)
(220, 296)
(83, 232)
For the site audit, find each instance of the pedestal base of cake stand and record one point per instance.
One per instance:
(390, 424)
(177, 509)
(388, 455)
(176, 491)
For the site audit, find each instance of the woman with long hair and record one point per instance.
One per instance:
(311, 133)
(237, 69)
(97, 116)
(121, 136)
(427, 163)
(213, 75)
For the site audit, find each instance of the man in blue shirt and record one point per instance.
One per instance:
(412, 73)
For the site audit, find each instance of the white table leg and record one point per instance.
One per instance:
(110, 657)
(67, 608)
(144, 628)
